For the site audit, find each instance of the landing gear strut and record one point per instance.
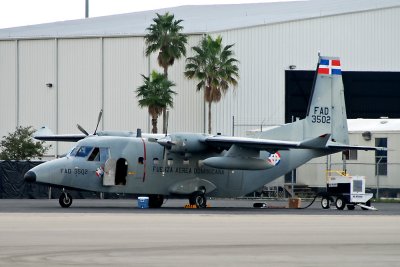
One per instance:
(156, 201)
(65, 199)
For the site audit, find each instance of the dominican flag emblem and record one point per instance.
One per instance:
(100, 172)
(274, 159)
(329, 67)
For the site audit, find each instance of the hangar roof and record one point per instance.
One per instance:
(373, 125)
(197, 19)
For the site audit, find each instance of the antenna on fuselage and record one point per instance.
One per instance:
(138, 132)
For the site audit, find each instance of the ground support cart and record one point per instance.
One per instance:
(344, 190)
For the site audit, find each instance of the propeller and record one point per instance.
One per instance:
(95, 131)
(98, 121)
(82, 130)
(165, 146)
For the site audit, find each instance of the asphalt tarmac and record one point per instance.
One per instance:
(230, 233)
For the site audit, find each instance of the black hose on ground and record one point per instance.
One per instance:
(312, 202)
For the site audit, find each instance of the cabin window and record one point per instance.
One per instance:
(140, 160)
(83, 151)
(155, 161)
(95, 156)
(170, 162)
(185, 162)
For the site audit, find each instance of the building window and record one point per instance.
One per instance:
(349, 155)
(381, 157)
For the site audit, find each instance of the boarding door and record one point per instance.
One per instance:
(109, 172)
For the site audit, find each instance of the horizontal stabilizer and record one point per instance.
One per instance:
(341, 147)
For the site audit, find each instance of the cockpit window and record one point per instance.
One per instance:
(95, 156)
(83, 151)
(73, 151)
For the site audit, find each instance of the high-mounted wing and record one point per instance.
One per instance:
(244, 153)
(45, 134)
(225, 142)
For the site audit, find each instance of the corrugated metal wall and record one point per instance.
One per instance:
(93, 73)
(8, 86)
(123, 64)
(364, 41)
(37, 67)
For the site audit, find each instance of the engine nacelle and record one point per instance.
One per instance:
(184, 142)
(237, 163)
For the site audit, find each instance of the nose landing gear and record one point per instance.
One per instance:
(65, 199)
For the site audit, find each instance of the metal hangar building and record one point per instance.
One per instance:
(59, 74)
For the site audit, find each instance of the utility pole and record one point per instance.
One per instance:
(86, 9)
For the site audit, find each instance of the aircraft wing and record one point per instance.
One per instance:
(320, 142)
(226, 142)
(60, 137)
(45, 134)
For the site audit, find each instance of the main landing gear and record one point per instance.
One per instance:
(65, 199)
(156, 201)
(198, 198)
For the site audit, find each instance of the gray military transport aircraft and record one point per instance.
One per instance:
(197, 165)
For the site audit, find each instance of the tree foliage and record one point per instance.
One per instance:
(165, 36)
(19, 145)
(156, 95)
(215, 67)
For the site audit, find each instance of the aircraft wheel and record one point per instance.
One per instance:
(351, 207)
(65, 200)
(340, 203)
(192, 200)
(200, 201)
(325, 203)
(156, 201)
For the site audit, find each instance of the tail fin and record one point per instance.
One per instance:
(326, 113)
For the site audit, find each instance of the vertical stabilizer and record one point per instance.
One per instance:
(326, 111)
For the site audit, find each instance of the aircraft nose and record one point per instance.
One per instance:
(30, 176)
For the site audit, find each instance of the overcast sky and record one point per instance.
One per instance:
(15, 13)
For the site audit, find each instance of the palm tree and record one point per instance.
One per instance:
(156, 94)
(216, 69)
(165, 36)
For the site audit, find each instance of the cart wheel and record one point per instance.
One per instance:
(340, 203)
(351, 207)
(325, 203)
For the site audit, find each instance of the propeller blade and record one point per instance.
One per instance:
(98, 121)
(165, 160)
(166, 126)
(82, 130)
